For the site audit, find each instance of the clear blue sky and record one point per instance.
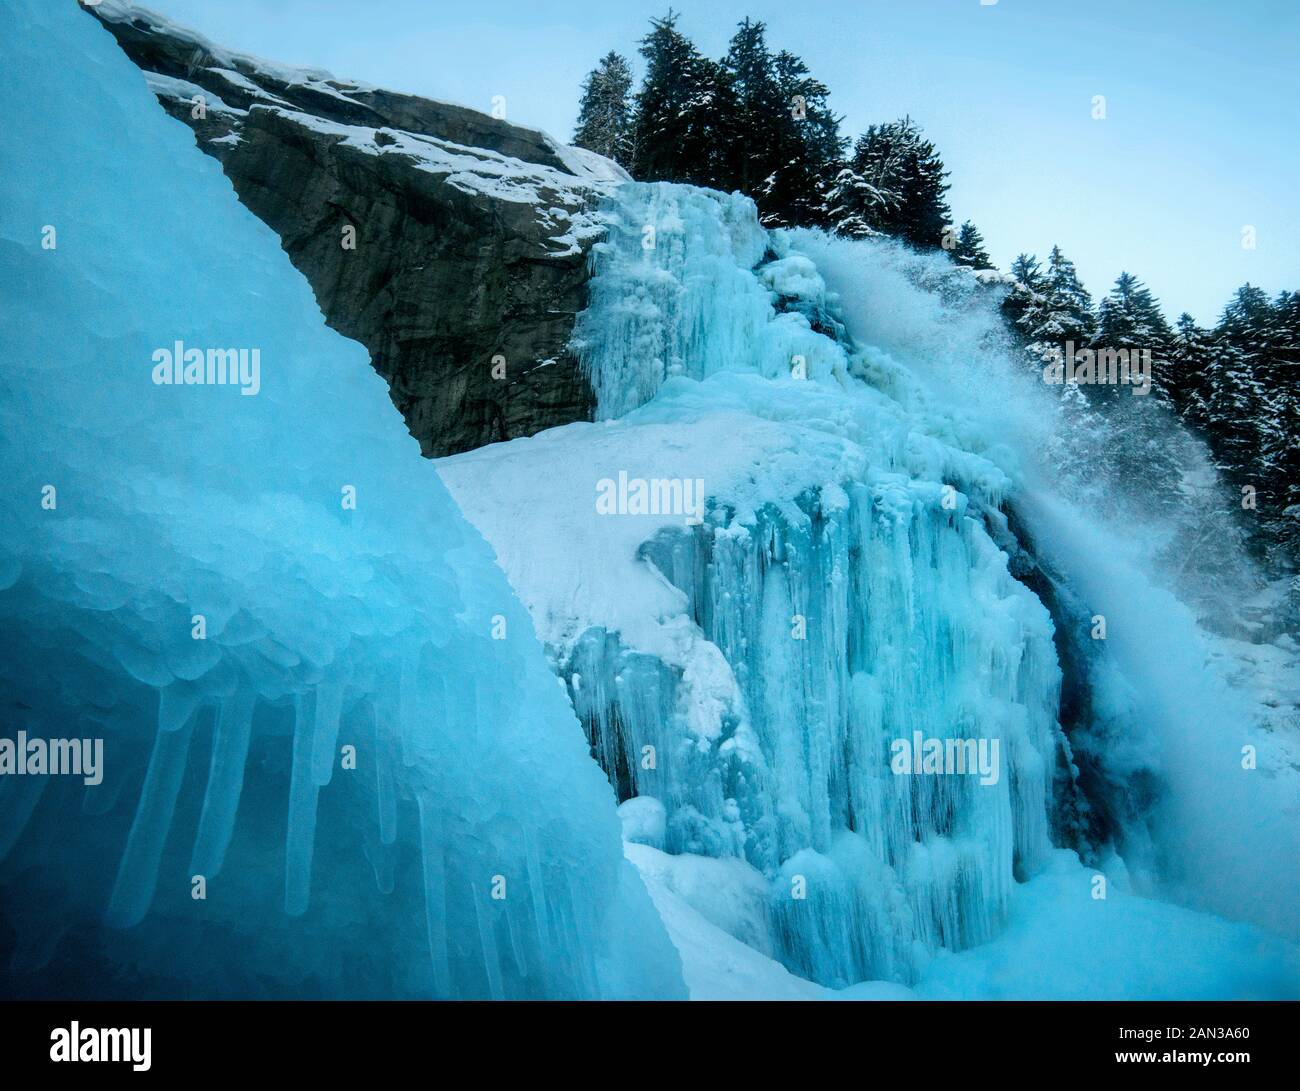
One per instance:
(1201, 137)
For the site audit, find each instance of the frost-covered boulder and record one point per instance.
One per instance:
(334, 761)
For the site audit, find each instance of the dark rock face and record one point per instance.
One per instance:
(450, 243)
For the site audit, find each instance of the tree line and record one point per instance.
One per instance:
(1236, 384)
(759, 122)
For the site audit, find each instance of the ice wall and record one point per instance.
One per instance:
(676, 295)
(885, 533)
(335, 761)
(1192, 771)
(843, 592)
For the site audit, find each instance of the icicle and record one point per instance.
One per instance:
(329, 709)
(536, 889)
(99, 799)
(408, 705)
(300, 838)
(579, 918)
(18, 798)
(435, 893)
(488, 943)
(230, 738)
(515, 927)
(385, 792)
(137, 873)
(176, 704)
(382, 863)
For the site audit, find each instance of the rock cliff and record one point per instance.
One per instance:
(450, 243)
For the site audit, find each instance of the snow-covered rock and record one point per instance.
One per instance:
(452, 244)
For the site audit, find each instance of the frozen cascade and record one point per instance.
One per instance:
(676, 294)
(912, 624)
(842, 592)
(873, 466)
(183, 577)
(878, 557)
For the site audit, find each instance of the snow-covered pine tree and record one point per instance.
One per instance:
(1280, 447)
(1130, 316)
(893, 184)
(1191, 350)
(855, 205)
(758, 133)
(1026, 269)
(779, 141)
(605, 113)
(1252, 419)
(1141, 440)
(1235, 387)
(970, 250)
(1049, 307)
(1024, 305)
(813, 156)
(1130, 319)
(1069, 302)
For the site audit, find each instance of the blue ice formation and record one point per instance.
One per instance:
(335, 761)
(855, 573)
(859, 601)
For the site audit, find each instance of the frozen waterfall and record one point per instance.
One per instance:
(823, 609)
(860, 583)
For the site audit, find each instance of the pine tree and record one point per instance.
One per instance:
(1280, 449)
(855, 205)
(1136, 449)
(756, 122)
(1049, 307)
(893, 184)
(1191, 351)
(1069, 302)
(758, 131)
(970, 248)
(1251, 415)
(677, 109)
(1024, 305)
(1025, 268)
(813, 155)
(1130, 317)
(1247, 321)
(779, 141)
(605, 114)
